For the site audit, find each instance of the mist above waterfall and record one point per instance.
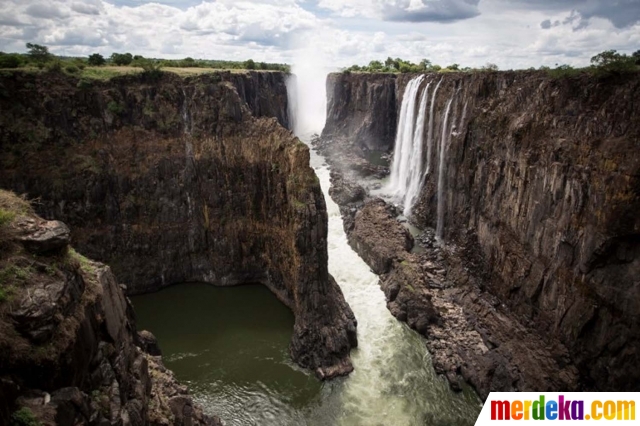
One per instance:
(307, 92)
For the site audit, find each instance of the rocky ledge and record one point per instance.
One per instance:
(69, 350)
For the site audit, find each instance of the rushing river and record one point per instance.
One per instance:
(230, 346)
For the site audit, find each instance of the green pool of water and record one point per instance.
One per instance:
(230, 346)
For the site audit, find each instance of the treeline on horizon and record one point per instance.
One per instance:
(609, 61)
(39, 56)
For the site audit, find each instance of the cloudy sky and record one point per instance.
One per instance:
(510, 33)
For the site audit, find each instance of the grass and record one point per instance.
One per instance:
(6, 217)
(24, 417)
(105, 73)
(13, 204)
(85, 263)
(10, 276)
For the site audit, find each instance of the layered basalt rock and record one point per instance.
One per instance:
(541, 188)
(68, 344)
(172, 180)
(362, 109)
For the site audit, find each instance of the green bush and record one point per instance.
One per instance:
(115, 108)
(10, 60)
(564, 71)
(122, 58)
(54, 66)
(24, 417)
(96, 60)
(84, 84)
(71, 69)
(150, 68)
(612, 62)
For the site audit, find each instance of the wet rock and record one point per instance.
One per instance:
(378, 237)
(40, 310)
(369, 117)
(148, 343)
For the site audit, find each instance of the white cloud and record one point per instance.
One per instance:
(509, 33)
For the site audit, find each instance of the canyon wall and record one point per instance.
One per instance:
(541, 193)
(362, 108)
(171, 180)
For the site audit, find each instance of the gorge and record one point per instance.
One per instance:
(503, 231)
(532, 193)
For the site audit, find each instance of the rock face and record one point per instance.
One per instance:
(68, 342)
(173, 180)
(541, 188)
(362, 109)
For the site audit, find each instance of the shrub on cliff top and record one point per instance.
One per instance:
(612, 62)
(10, 60)
(96, 60)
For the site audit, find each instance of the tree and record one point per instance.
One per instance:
(264, 66)
(425, 64)
(454, 67)
(490, 67)
(250, 64)
(188, 62)
(122, 58)
(389, 62)
(96, 60)
(610, 61)
(38, 53)
(636, 55)
(375, 66)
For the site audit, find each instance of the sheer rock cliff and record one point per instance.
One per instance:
(171, 180)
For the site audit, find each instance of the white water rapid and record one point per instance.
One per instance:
(394, 382)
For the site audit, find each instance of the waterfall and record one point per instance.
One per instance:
(404, 145)
(186, 116)
(416, 161)
(430, 133)
(401, 168)
(444, 142)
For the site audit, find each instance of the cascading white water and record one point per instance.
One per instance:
(404, 145)
(415, 163)
(430, 133)
(444, 142)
